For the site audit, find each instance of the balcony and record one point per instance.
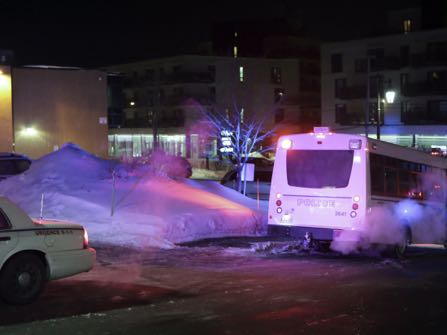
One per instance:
(189, 78)
(425, 60)
(350, 119)
(303, 100)
(353, 92)
(170, 121)
(395, 63)
(182, 99)
(424, 88)
(385, 63)
(310, 86)
(136, 82)
(138, 123)
(423, 116)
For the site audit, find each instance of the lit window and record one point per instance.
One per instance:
(241, 74)
(242, 115)
(235, 51)
(275, 75)
(407, 26)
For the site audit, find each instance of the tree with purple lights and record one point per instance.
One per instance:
(240, 135)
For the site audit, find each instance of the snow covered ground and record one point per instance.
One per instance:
(132, 206)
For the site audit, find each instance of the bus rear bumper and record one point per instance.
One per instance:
(321, 234)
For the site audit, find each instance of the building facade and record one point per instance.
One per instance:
(160, 98)
(356, 75)
(6, 123)
(43, 107)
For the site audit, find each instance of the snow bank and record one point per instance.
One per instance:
(149, 209)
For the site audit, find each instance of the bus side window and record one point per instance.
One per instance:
(416, 192)
(404, 183)
(377, 174)
(390, 182)
(377, 179)
(434, 184)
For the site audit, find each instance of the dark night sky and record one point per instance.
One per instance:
(93, 33)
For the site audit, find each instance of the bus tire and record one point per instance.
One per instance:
(324, 246)
(401, 248)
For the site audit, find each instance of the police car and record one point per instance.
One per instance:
(33, 252)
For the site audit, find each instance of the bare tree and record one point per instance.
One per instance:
(242, 135)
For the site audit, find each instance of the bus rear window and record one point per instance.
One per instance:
(319, 168)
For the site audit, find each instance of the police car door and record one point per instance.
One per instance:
(8, 238)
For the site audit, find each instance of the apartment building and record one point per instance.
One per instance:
(356, 75)
(157, 94)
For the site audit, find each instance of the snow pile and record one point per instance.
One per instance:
(130, 206)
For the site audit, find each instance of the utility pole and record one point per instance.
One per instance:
(368, 88)
(379, 87)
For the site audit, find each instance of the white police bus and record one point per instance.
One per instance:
(326, 184)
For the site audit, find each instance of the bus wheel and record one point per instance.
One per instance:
(324, 246)
(401, 247)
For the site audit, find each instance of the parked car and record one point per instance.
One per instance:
(261, 181)
(33, 252)
(12, 164)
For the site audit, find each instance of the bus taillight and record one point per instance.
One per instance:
(355, 206)
(278, 202)
(356, 198)
(286, 144)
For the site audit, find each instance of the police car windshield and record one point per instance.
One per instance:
(319, 168)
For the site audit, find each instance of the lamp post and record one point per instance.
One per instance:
(389, 95)
(389, 98)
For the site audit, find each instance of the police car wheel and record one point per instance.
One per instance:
(22, 279)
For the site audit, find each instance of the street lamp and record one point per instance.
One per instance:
(389, 98)
(389, 95)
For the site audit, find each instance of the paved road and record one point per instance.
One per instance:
(215, 289)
